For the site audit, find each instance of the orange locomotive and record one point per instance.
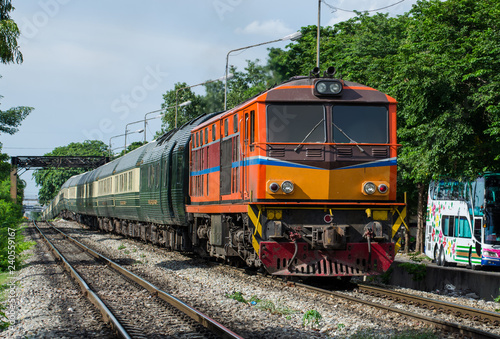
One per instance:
(300, 180)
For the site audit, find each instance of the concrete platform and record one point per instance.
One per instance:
(484, 284)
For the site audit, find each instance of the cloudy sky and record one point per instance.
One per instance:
(91, 67)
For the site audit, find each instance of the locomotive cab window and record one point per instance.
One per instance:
(296, 123)
(360, 124)
(235, 123)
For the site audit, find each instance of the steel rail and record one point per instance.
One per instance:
(108, 316)
(441, 324)
(456, 309)
(194, 314)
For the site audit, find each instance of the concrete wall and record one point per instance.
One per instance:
(484, 284)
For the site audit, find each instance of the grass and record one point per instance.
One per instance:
(418, 257)
(268, 305)
(4, 279)
(265, 305)
(311, 318)
(121, 247)
(417, 271)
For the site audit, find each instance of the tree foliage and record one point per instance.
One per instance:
(10, 53)
(180, 94)
(51, 180)
(9, 32)
(131, 147)
(244, 85)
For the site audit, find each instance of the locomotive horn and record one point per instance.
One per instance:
(330, 72)
(315, 72)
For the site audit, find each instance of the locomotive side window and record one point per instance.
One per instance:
(252, 129)
(235, 123)
(206, 135)
(226, 127)
(360, 124)
(296, 123)
(213, 132)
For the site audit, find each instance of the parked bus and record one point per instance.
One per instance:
(463, 222)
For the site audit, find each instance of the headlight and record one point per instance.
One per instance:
(328, 87)
(287, 187)
(321, 87)
(335, 87)
(369, 188)
(490, 254)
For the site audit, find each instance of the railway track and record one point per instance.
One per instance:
(133, 307)
(486, 317)
(466, 312)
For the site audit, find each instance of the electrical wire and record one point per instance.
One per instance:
(334, 9)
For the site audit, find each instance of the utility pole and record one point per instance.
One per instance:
(318, 35)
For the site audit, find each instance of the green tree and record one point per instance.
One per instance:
(244, 85)
(213, 100)
(131, 147)
(9, 32)
(448, 88)
(181, 93)
(299, 58)
(10, 53)
(51, 180)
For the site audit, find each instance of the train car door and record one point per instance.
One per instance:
(248, 140)
(226, 148)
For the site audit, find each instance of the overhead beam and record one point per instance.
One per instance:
(42, 162)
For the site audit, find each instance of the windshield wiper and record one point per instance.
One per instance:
(352, 141)
(307, 136)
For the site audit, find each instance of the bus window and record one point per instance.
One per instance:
(477, 228)
(450, 190)
(448, 224)
(462, 228)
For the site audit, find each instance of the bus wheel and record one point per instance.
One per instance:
(442, 258)
(436, 256)
(471, 264)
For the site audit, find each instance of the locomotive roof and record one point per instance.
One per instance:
(300, 90)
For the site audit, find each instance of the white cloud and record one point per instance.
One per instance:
(273, 28)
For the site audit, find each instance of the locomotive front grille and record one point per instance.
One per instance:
(379, 152)
(344, 152)
(322, 267)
